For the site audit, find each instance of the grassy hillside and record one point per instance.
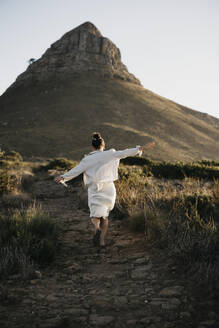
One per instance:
(57, 118)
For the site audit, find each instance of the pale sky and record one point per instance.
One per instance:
(172, 46)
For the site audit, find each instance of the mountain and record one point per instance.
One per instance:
(80, 85)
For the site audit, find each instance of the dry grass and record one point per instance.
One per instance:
(27, 235)
(215, 190)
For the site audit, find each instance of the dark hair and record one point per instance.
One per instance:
(97, 140)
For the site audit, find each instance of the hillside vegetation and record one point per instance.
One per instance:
(57, 117)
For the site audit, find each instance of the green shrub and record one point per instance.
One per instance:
(4, 163)
(141, 161)
(12, 155)
(8, 182)
(207, 163)
(60, 164)
(9, 156)
(168, 170)
(131, 174)
(123, 172)
(30, 232)
(177, 170)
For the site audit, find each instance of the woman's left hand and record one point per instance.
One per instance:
(148, 146)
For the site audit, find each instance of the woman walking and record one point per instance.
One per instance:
(100, 170)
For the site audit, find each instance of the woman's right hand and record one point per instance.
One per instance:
(59, 179)
(147, 146)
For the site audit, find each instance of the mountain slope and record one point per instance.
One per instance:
(52, 108)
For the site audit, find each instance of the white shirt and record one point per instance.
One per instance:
(100, 166)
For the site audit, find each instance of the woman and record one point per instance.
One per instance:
(100, 169)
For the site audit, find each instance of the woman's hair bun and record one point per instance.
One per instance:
(97, 140)
(96, 136)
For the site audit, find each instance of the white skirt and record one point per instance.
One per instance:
(101, 199)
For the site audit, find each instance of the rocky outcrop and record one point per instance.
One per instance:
(81, 50)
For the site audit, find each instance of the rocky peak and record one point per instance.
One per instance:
(86, 27)
(80, 50)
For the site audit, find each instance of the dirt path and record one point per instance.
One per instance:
(127, 285)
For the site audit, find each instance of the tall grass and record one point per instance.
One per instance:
(27, 236)
(9, 181)
(192, 236)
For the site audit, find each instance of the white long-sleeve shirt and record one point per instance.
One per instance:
(100, 166)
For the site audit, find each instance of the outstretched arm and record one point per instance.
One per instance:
(74, 172)
(132, 151)
(127, 152)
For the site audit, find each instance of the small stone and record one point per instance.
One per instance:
(73, 267)
(120, 300)
(141, 272)
(38, 274)
(51, 298)
(81, 319)
(77, 312)
(27, 302)
(108, 285)
(136, 256)
(100, 320)
(185, 315)
(172, 303)
(41, 296)
(148, 290)
(157, 301)
(131, 322)
(166, 303)
(208, 323)
(142, 260)
(145, 320)
(172, 291)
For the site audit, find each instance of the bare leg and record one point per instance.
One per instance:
(103, 228)
(96, 223)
